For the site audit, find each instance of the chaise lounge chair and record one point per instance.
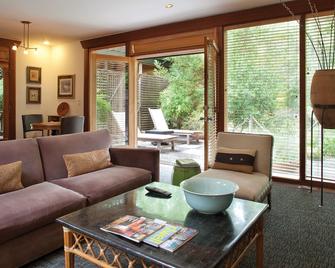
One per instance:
(161, 127)
(151, 137)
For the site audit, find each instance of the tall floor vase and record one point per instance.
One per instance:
(323, 93)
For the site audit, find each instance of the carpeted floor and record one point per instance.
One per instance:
(297, 233)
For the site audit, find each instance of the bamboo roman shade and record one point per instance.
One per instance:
(168, 43)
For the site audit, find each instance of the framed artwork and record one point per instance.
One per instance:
(33, 95)
(66, 86)
(34, 75)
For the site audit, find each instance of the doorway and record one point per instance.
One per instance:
(170, 103)
(1, 101)
(110, 98)
(4, 96)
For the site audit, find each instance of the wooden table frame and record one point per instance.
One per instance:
(81, 245)
(48, 126)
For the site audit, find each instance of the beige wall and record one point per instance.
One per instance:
(64, 59)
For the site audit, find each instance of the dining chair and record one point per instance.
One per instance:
(27, 120)
(71, 124)
(54, 118)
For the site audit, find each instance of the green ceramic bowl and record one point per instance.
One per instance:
(209, 195)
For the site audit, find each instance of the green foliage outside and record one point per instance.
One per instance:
(104, 108)
(182, 101)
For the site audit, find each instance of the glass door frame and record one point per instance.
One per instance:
(131, 92)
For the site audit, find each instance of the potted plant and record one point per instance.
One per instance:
(323, 83)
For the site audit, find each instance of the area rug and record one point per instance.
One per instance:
(297, 233)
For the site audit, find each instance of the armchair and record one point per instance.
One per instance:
(257, 185)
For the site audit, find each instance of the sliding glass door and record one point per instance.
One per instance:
(262, 88)
(111, 98)
(4, 108)
(1, 101)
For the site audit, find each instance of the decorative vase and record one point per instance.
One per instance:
(323, 93)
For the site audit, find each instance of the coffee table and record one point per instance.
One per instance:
(221, 242)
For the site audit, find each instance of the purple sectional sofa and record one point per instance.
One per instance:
(27, 216)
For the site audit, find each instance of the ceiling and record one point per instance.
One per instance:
(84, 19)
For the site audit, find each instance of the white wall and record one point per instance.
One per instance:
(64, 59)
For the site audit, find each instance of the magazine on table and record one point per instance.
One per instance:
(134, 228)
(178, 239)
(155, 232)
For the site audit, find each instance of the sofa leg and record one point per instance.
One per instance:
(269, 200)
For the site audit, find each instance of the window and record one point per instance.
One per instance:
(112, 93)
(1, 102)
(329, 135)
(262, 83)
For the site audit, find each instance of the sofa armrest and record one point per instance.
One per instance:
(134, 157)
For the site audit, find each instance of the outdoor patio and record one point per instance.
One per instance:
(182, 150)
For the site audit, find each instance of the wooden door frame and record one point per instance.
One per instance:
(10, 89)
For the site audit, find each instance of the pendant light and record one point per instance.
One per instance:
(26, 39)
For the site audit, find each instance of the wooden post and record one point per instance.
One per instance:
(260, 245)
(68, 242)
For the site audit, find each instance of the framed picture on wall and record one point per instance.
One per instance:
(34, 75)
(66, 86)
(33, 95)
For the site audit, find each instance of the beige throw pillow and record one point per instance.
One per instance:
(10, 177)
(81, 163)
(241, 160)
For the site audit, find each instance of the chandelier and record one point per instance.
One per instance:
(25, 43)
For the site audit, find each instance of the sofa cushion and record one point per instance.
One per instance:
(105, 183)
(10, 177)
(54, 147)
(35, 206)
(81, 163)
(253, 186)
(26, 151)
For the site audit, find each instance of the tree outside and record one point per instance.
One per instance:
(263, 87)
(182, 101)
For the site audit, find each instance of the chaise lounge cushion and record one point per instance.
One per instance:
(253, 186)
(34, 207)
(102, 184)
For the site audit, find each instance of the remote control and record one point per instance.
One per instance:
(158, 191)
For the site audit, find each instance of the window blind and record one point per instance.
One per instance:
(262, 83)
(112, 99)
(148, 96)
(311, 66)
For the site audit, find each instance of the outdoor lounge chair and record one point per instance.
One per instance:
(151, 137)
(161, 127)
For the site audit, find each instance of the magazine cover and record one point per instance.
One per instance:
(134, 228)
(162, 235)
(178, 239)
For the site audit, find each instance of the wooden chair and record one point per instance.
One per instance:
(72, 124)
(27, 120)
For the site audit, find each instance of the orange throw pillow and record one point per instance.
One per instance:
(10, 177)
(82, 163)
